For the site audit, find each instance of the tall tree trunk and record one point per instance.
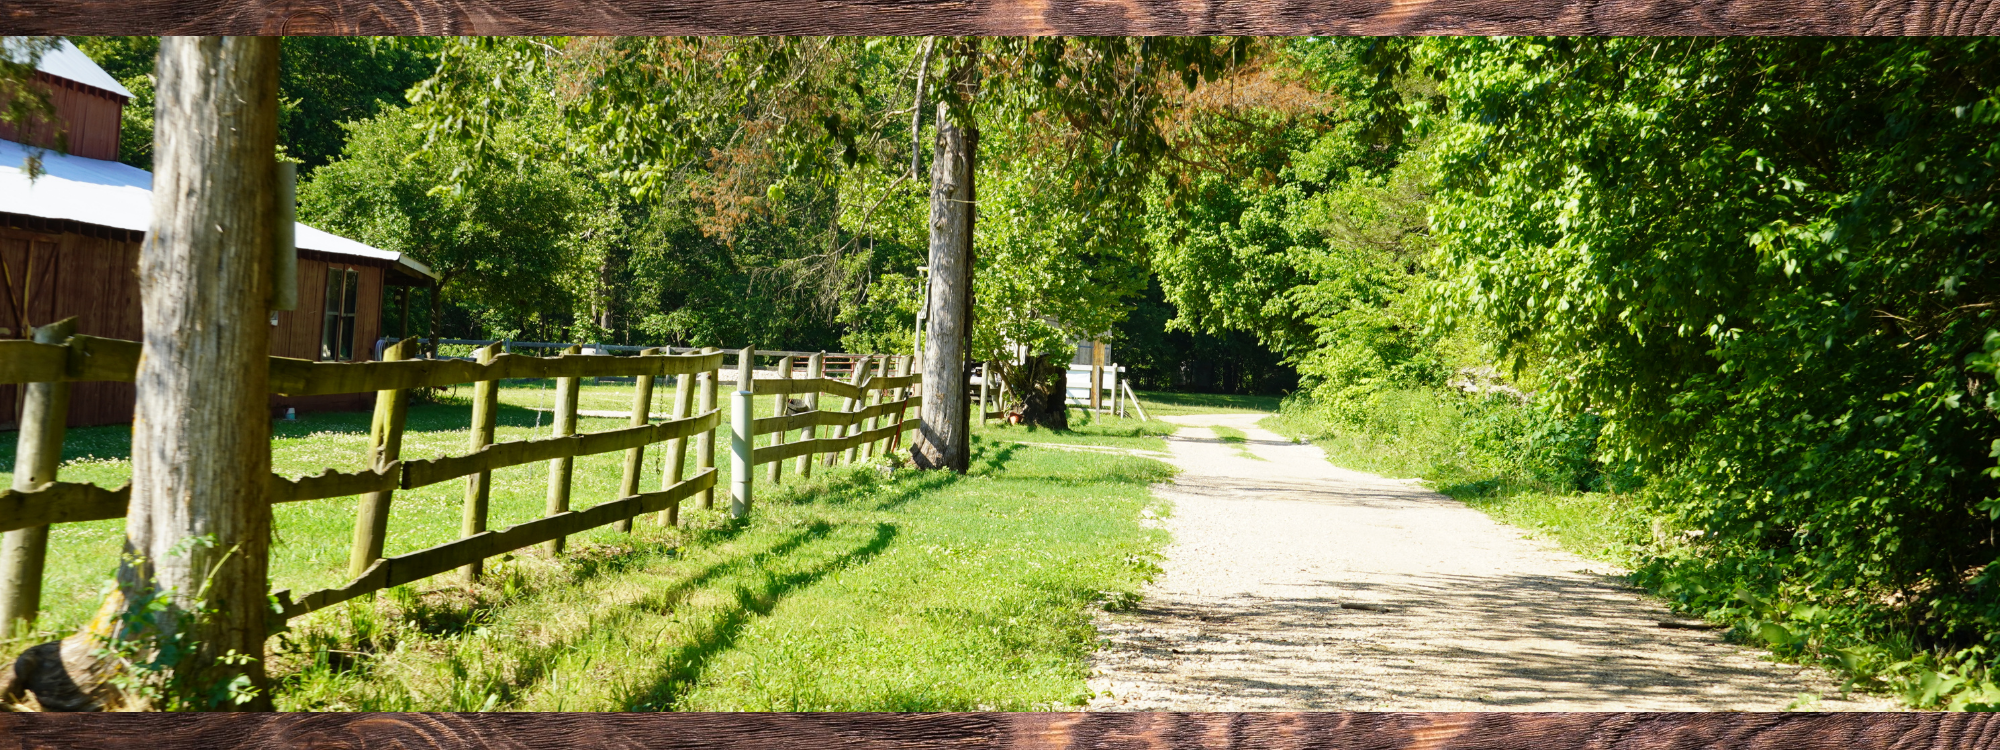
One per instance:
(199, 526)
(437, 316)
(1042, 387)
(189, 614)
(944, 432)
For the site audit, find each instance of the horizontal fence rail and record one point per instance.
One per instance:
(856, 428)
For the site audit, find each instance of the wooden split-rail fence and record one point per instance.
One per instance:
(875, 408)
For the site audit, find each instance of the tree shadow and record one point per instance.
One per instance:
(534, 665)
(683, 668)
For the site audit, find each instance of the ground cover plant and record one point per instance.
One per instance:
(866, 588)
(311, 539)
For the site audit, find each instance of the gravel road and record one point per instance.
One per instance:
(1292, 584)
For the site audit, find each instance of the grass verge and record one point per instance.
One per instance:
(310, 540)
(865, 588)
(1166, 404)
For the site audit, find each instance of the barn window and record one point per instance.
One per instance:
(343, 292)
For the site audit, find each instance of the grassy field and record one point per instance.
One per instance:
(1088, 430)
(868, 587)
(311, 539)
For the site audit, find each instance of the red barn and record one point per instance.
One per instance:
(69, 246)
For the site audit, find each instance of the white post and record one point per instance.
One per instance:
(743, 415)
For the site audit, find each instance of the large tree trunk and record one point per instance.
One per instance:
(193, 594)
(201, 436)
(1041, 386)
(944, 434)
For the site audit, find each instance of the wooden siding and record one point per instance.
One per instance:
(94, 279)
(90, 116)
(297, 333)
(97, 280)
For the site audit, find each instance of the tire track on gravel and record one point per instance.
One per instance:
(1292, 584)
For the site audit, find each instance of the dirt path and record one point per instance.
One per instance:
(1294, 584)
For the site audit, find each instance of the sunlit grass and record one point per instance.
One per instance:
(1087, 429)
(311, 539)
(862, 589)
(1162, 403)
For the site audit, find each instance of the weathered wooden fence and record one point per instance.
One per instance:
(873, 410)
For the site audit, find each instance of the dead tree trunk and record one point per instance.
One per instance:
(192, 601)
(201, 436)
(944, 433)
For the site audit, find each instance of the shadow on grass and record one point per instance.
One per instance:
(535, 664)
(1212, 400)
(684, 667)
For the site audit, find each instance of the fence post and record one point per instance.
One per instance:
(985, 390)
(742, 418)
(670, 474)
(783, 408)
(855, 379)
(479, 487)
(895, 440)
(567, 390)
(815, 368)
(385, 446)
(642, 413)
(37, 454)
(880, 367)
(704, 446)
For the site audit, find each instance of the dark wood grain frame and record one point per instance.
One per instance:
(1488, 731)
(1840, 17)
(871, 731)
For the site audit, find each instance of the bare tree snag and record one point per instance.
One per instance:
(943, 434)
(197, 535)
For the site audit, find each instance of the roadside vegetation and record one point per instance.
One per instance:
(869, 587)
(311, 539)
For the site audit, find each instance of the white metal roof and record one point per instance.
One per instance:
(110, 194)
(66, 61)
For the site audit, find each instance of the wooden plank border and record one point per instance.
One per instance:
(597, 17)
(1007, 731)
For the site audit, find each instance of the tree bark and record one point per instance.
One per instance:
(189, 614)
(944, 432)
(199, 526)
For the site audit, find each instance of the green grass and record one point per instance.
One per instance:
(310, 539)
(1235, 438)
(1164, 404)
(863, 589)
(1087, 429)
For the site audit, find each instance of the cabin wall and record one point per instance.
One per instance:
(69, 274)
(90, 117)
(297, 333)
(97, 281)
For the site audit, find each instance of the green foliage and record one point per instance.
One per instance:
(1764, 262)
(499, 247)
(26, 106)
(323, 83)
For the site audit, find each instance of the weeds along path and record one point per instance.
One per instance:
(1295, 584)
